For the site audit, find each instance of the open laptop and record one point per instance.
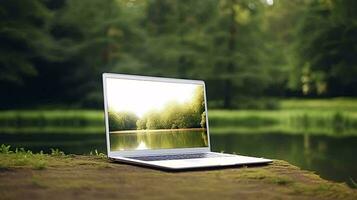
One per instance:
(162, 123)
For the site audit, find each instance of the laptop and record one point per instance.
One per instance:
(161, 123)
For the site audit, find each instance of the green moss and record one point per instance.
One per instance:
(94, 176)
(39, 165)
(324, 190)
(266, 175)
(37, 182)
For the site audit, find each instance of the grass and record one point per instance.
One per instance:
(336, 117)
(20, 157)
(353, 183)
(51, 118)
(335, 104)
(284, 121)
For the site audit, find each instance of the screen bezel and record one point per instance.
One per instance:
(151, 151)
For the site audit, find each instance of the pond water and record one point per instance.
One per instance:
(332, 158)
(158, 140)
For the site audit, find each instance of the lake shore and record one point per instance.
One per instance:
(332, 117)
(58, 176)
(158, 130)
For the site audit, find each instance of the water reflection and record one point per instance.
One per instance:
(331, 157)
(141, 146)
(157, 140)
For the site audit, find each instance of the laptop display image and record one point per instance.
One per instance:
(155, 115)
(161, 122)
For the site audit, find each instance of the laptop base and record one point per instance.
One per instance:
(220, 161)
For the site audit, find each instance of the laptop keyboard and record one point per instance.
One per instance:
(179, 156)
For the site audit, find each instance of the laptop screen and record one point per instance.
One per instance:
(146, 114)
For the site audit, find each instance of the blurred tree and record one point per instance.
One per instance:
(218, 42)
(53, 51)
(141, 123)
(174, 37)
(154, 120)
(61, 48)
(277, 24)
(92, 35)
(27, 51)
(24, 39)
(176, 115)
(119, 121)
(234, 57)
(326, 48)
(170, 114)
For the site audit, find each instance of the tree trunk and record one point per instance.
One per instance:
(228, 85)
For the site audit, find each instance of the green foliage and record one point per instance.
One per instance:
(141, 123)
(244, 50)
(198, 102)
(172, 116)
(98, 154)
(333, 116)
(44, 118)
(122, 120)
(66, 46)
(5, 149)
(154, 120)
(56, 152)
(326, 63)
(21, 157)
(89, 35)
(24, 39)
(336, 104)
(336, 118)
(203, 120)
(175, 115)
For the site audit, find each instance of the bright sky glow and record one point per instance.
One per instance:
(141, 96)
(141, 146)
(270, 2)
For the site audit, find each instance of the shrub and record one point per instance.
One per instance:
(122, 121)
(5, 149)
(154, 120)
(141, 123)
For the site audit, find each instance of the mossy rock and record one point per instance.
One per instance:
(92, 177)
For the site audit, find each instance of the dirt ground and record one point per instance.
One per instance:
(91, 177)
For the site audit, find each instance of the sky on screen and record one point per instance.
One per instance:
(141, 96)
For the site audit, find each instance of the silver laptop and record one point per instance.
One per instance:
(162, 123)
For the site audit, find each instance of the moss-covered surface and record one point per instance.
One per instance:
(57, 176)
